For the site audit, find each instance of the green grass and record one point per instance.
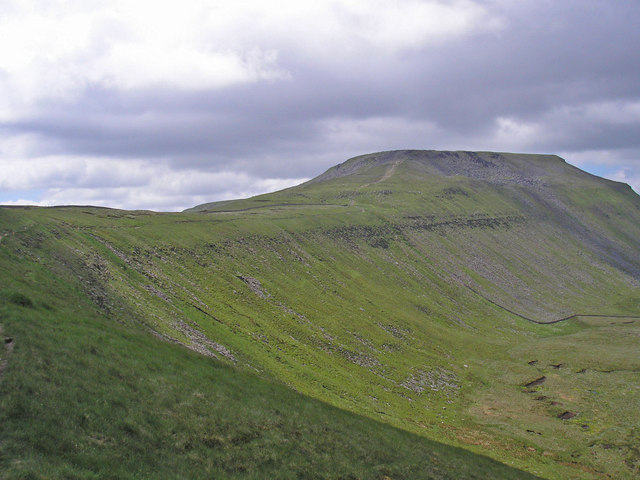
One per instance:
(84, 397)
(395, 298)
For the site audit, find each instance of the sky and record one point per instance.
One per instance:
(164, 105)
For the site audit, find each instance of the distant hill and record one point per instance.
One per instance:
(489, 301)
(422, 191)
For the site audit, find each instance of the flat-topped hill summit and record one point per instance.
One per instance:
(493, 166)
(432, 167)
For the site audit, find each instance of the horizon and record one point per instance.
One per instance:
(301, 181)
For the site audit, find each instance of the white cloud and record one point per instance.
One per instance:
(412, 24)
(59, 171)
(22, 202)
(339, 28)
(511, 133)
(49, 53)
(53, 50)
(169, 192)
(336, 28)
(128, 184)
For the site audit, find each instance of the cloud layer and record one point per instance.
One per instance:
(166, 105)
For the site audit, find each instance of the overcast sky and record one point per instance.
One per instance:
(164, 105)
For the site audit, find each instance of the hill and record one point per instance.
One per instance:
(489, 301)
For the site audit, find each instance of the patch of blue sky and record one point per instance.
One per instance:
(13, 196)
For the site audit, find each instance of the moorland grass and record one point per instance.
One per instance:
(84, 397)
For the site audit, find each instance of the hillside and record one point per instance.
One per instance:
(488, 301)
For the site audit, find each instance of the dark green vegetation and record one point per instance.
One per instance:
(414, 289)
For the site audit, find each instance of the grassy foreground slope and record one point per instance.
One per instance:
(412, 288)
(84, 396)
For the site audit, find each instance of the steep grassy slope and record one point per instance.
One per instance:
(409, 287)
(83, 396)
